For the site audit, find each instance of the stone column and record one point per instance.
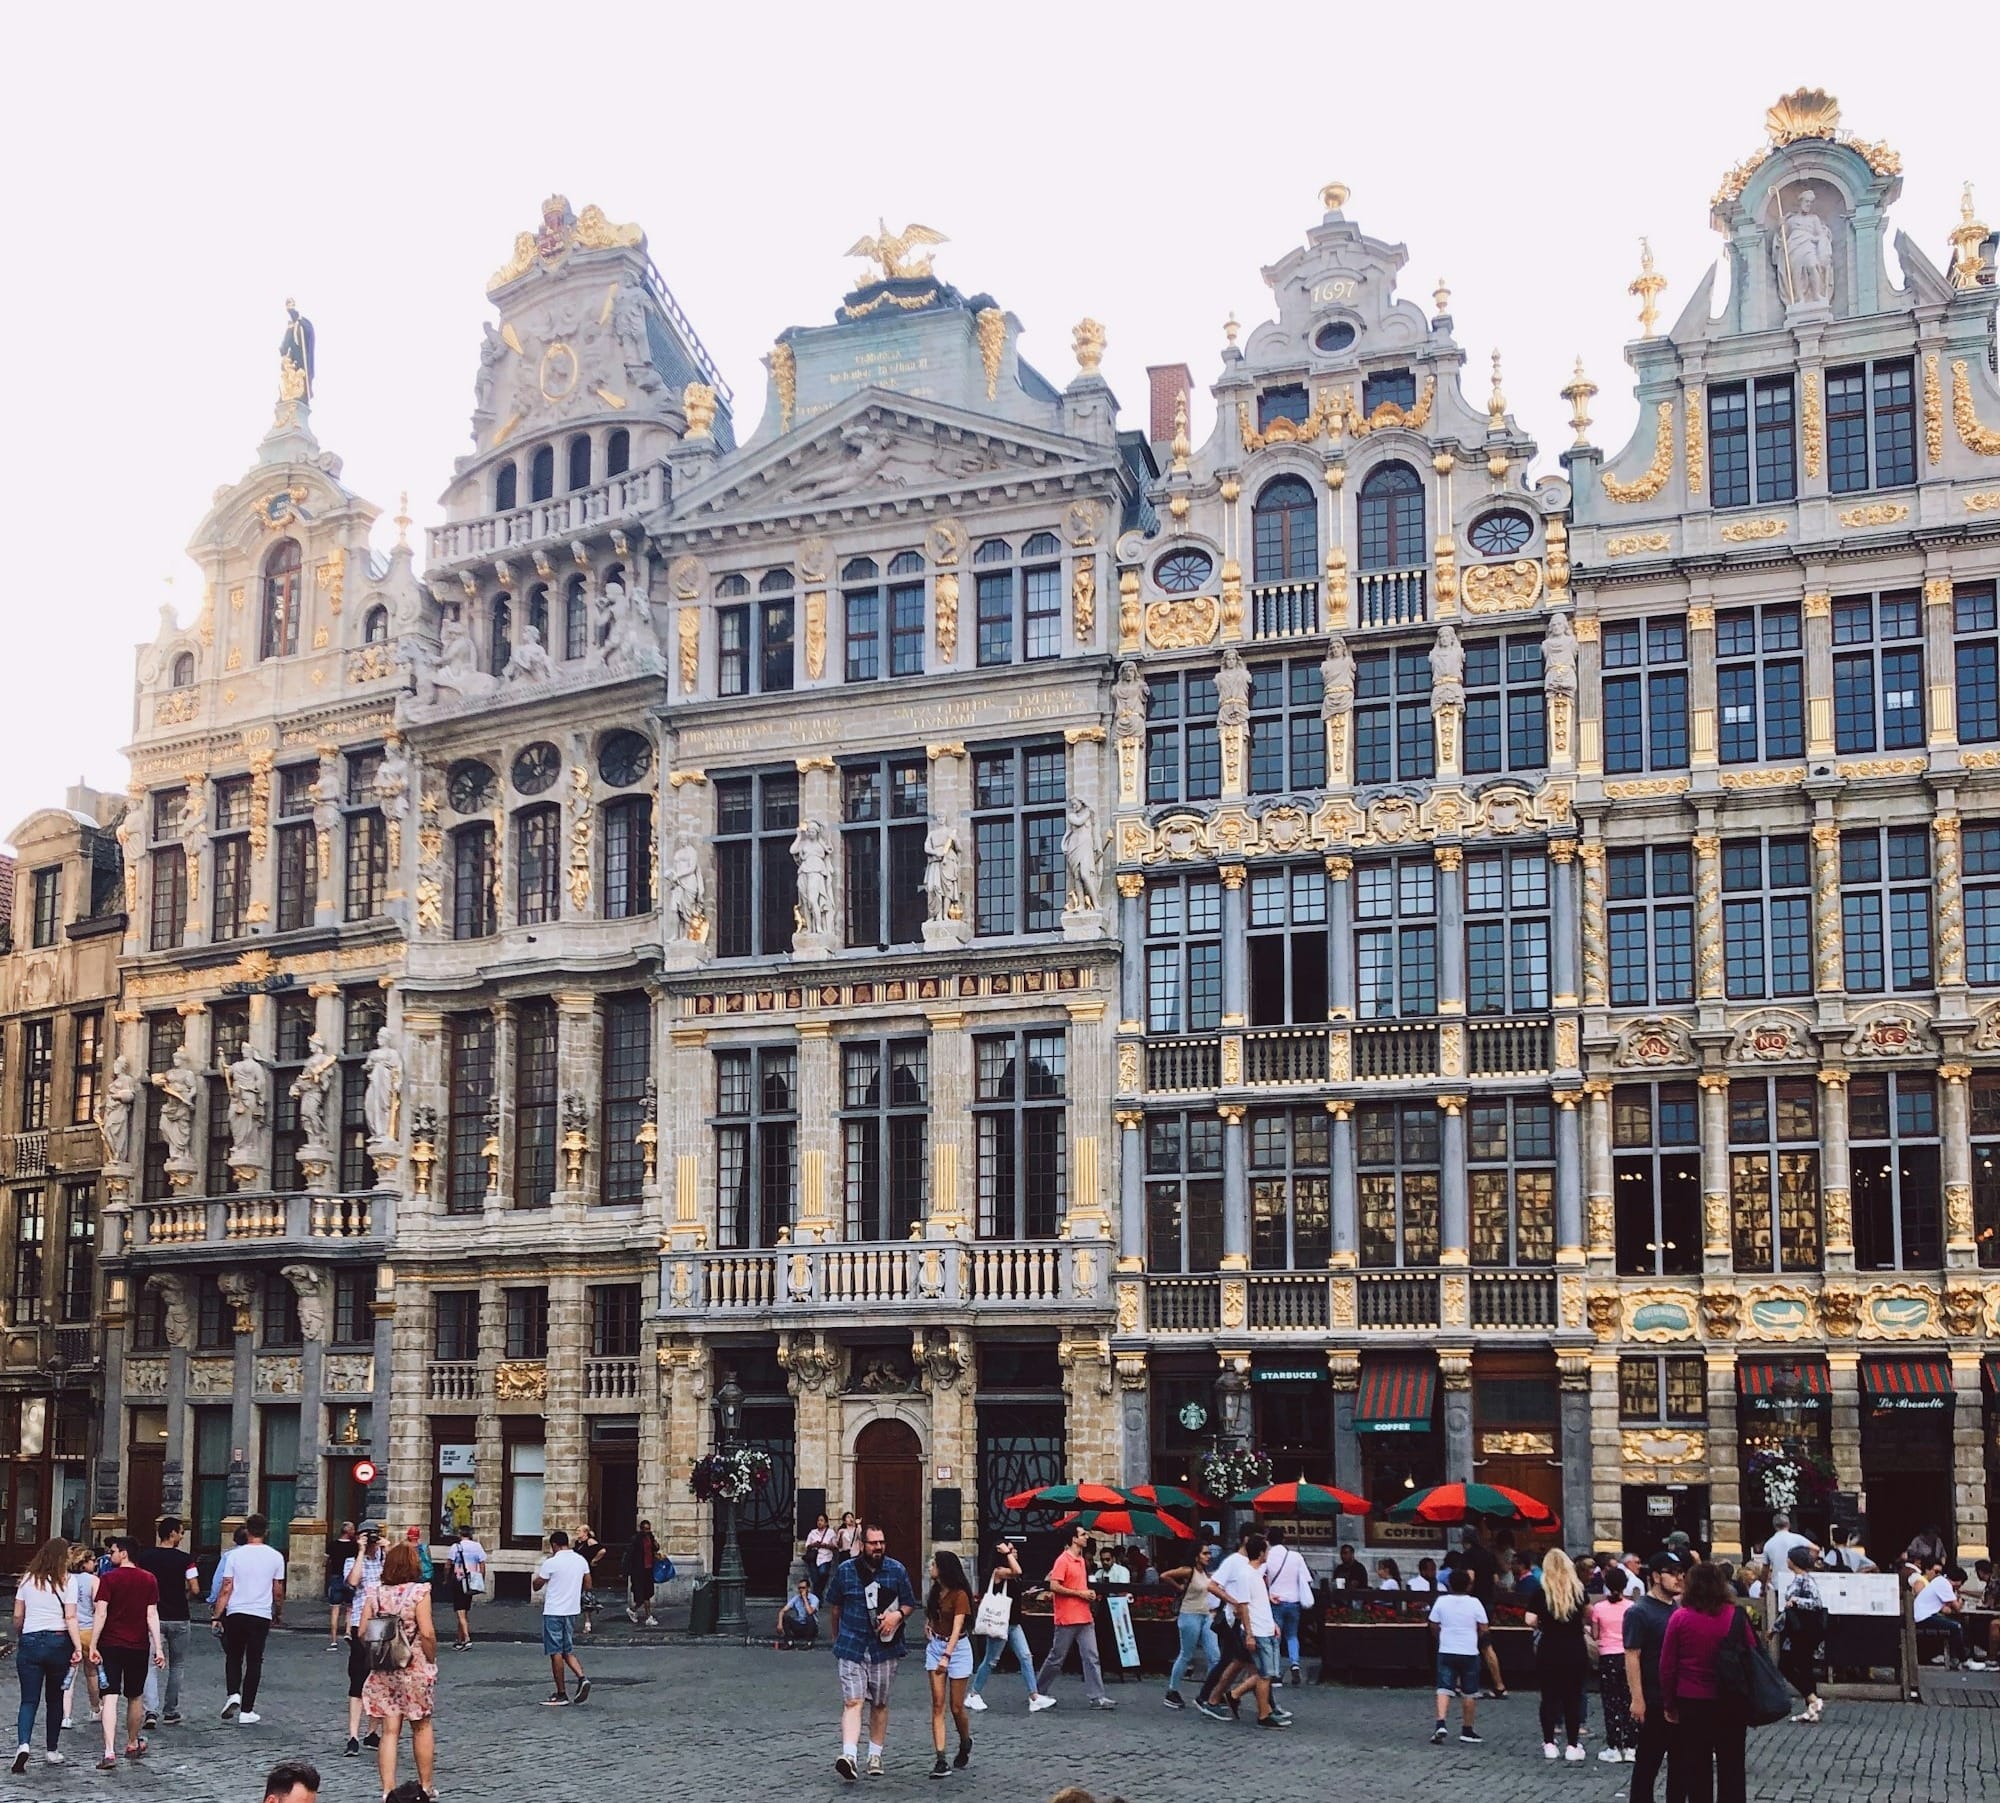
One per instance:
(1451, 960)
(489, 1443)
(1578, 1458)
(1843, 1369)
(1827, 975)
(1716, 1240)
(1940, 660)
(1596, 968)
(1136, 1420)
(1968, 1454)
(1346, 1210)
(1455, 1369)
(1701, 684)
(1235, 953)
(579, 1059)
(1961, 1251)
(690, 1098)
(1569, 1179)
(952, 1157)
(681, 1522)
(1607, 1467)
(1708, 916)
(1818, 610)
(1725, 1468)
(402, 1434)
(424, 1091)
(1563, 923)
(1345, 1368)
(1132, 938)
(565, 1427)
(820, 1185)
(327, 847)
(1235, 1189)
(1340, 937)
(1602, 1209)
(1090, 1087)
(1454, 1216)
(1835, 1183)
(245, 1451)
(1131, 1192)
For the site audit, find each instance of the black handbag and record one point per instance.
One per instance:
(1746, 1681)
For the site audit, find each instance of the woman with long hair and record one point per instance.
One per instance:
(1708, 1736)
(819, 1554)
(1559, 1654)
(1801, 1628)
(47, 1646)
(82, 1583)
(407, 1693)
(364, 1572)
(1004, 1575)
(1604, 1631)
(1388, 1575)
(1195, 1619)
(948, 1656)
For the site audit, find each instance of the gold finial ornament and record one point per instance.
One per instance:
(1578, 392)
(561, 232)
(1087, 340)
(1441, 297)
(891, 252)
(1181, 447)
(1496, 402)
(698, 402)
(1229, 326)
(1803, 113)
(1967, 238)
(1334, 196)
(1646, 285)
(403, 521)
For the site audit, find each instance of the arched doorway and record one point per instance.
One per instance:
(889, 1487)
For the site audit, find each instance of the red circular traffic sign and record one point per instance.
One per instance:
(364, 1472)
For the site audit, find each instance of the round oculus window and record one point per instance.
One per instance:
(624, 758)
(537, 768)
(1183, 572)
(1501, 534)
(1335, 335)
(469, 786)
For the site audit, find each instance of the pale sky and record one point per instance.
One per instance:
(179, 171)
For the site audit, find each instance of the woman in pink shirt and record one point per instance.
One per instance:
(1604, 1632)
(1708, 1730)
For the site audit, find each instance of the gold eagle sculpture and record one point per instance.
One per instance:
(890, 251)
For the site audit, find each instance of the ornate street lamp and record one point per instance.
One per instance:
(1788, 1405)
(730, 1619)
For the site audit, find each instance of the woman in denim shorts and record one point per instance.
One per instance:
(948, 1656)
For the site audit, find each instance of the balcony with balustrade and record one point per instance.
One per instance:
(851, 1282)
(624, 497)
(1289, 1304)
(1285, 610)
(305, 1225)
(1392, 597)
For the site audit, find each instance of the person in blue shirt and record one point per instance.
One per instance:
(798, 1620)
(222, 1572)
(868, 1601)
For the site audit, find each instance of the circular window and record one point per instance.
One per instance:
(1336, 335)
(469, 786)
(1182, 572)
(537, 768)
(624, 758)
(1501, 534)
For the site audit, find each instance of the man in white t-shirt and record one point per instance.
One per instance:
(1458, 1628)
(251, 1603)
(1935, 1608)
(468, 1579)
(1778, 1553)
(1230, 1583)
(1290, 1585)
(1260, 1632)
(562, 1578)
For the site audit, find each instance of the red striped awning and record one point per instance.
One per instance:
(1906, 1377)
(1396, 1396)
(1993, 1372)
(1755, 1377)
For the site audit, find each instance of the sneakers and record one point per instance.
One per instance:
(54, 1758)
(1550, 1750)
(1174, 1700)
(874, 1765)
(248, 1718)
(1102, 1703)
(353, 1748)
(1037, 1704)
(1209, 1709)
(582, 1691)
(172, 1719)
(1296, 1677)
(844, 1765)
(1470, 1738)
(20, 1760)
(1574, 1755)
(976, 1704)
(151, 1721)
(558, 1701)
(333, 1646)
(230, 1708)
(1273, 1720)
(1437, 1735)
(1631, 1755)
(1611, 1756)
(964, 1755)
(940, 1766)
(372, 1739)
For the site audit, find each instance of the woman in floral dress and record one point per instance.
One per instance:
(405, 1695)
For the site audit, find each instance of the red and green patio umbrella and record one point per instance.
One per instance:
(1301, 1499)
(1067, 1496)
(1131, 1523)
(1169, 1496)
(1446, 1503)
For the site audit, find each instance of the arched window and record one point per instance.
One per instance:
(538, 864)
(183, 677)
(284, 597)
(538, 610)
(1285, 525)
(1392, 519)
(618, 452)
(579, 462)
(503, 634)
(506, 486)
(475, 911)
(576, 621)
(542, 474)
(375, 626)
(628, 857)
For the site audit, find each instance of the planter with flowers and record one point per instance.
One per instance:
(732, 1476)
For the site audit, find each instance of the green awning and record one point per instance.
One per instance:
(1396, 1396)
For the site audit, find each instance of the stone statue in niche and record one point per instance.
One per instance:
(814, 857)
(1128, 704)
(381, 1100)
(684, 898)
(492, 353)
(625, 628)
(180, 1084)
(115, 1122)
(1083, 858)
(1336, 672)
(1559, 657)
(944, 895)
(1803, 250)
(312, 1089)
(456, 672)
(249, 1081)
(1232, 691)
(312, 1299)
(175, 1304)
(392, 780)
(529, 661)
(1447, 669)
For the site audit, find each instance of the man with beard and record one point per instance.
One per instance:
(867, 1601)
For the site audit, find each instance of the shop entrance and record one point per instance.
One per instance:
(889, 1487)
(1906, 1452)
(1517, 1433)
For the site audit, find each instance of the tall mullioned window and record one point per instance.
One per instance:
(885, 627)
(754, 639)
(1389, 516)
(1018, 600)
(756, 881)
(298, 848)
(470, 1089)
(1976, 655)
(231, 885)
(1878, 673)
(1398, 1149)
(1982, 902)
(1396, 938)
(1650, 924)
(1893, 1165)
(1288, 947)
(628, 857)
(756, 1144)
(46, 920)
(538, 864)
(475, 909)
(1184, 1191)
(1774, 1173)
(627, 1065)
(284, 600)
(38, 1072)
(1020, 1087)
(1183, 750)
(367, 883)
(1753, 452)
(885, 815)
(884, 1125)
(1507, 932)
(1393, 738)
(1506, 726)
(1884, 395)
(1645, 692)
(1284, 532)
(1018, 794)
(1766, 918)
(296, 1018)
(1287, 734)
(534, 1103)
(1291, 1187)
(1885, 909)
(1510, 1147)
(1759, 684)
(1183, 955)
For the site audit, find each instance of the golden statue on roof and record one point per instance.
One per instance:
(890, 251)
(561, 232)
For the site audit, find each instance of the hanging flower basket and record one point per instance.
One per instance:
(729, 1476)
(1785, 1479)
(1224, 1473)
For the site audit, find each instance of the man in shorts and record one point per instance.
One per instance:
(1458, 1634)
(562, 1578)
(867, 1601)
(124, 1625)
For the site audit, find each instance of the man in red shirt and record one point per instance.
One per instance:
(126, 1623)
(1069, 1585)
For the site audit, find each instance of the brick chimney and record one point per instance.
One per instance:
(1168, 381)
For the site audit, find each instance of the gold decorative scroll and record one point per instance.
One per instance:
(1982, 439)
(1696, 448)
(1880, 513)
(1490, 588)
(1933, 409)
(992, 325)
(785, 378)
(815, 633)
(945, 607)
(1634, 543)
(689, 626)
(1654, 477)
(1812, 424)
(1176, 625)
(1741, 531)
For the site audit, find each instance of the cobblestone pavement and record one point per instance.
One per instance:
(685, 1720)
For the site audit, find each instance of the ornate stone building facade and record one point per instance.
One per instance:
(58, 987)
(1044, 949)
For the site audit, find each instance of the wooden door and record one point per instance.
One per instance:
(614, 1496)
(1517, 1434)
(889, 1489)
(145, 1488)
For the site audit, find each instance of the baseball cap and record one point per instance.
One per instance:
(1666, 1559)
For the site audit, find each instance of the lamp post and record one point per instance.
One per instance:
(729, 1572)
